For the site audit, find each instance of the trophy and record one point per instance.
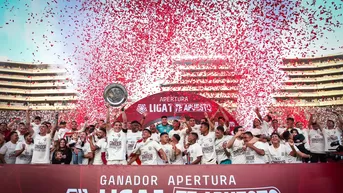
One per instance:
(115, 94)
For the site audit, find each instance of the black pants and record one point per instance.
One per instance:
(316, 157)
(302, 148)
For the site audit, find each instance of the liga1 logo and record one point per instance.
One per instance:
(174, 104)
(171, 108)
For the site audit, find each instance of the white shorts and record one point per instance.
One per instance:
(117, 162)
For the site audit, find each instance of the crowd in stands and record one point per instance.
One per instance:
(52, 140)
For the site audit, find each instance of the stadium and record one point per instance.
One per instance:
(171, 96)
(37, 86)
(311, 82)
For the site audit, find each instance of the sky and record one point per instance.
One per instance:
(35, 31)
(43, 35)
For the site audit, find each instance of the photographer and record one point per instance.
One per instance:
(300, 142)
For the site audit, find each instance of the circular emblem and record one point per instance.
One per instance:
(150, 148)
(115, 94)
(210, 140)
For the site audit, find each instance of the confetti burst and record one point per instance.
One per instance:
(134, 43)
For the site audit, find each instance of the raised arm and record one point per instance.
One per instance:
(214, 115)
(54, 128)
(143, 118)
(84, 125)
(232, 140)
(257, 111)
(124, 116)
(108, 119)
(209, 122)
(28, 122)
(310, 121)
(10, 125)
(184, 121)
(340, 119)
(225, 116)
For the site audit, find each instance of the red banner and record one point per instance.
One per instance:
(283, 178)
(174, 104)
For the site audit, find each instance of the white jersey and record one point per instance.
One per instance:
(252, 157)
(132, 138)
(168, 149)
(178, 159)
(21, 138)
(148, 151)
(8, 150)
(331, 135)
(182, 133)
(41, 151)
(86, 150)
(278, 155)
(35, 127)
(221, 155)
(97, 154)
(292, 159)
(194, 151)
(265, 128)
(266, 157)
(279, 130)
(237, 152)
(116, 145)
(305, 132)
(216, 124)
(195, 129)
(256, 131)
(317, 143)
(155, 136)
(208, 148)
(61, 133)
(26, 156)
